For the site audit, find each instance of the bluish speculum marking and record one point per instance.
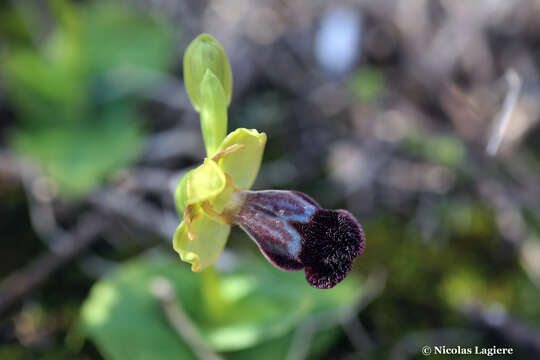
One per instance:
(267, 217)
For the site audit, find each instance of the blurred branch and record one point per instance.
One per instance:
(503, 117)
(413, 342)
(347, 318)
(301, 342)
(530, 260)
(163, 291)
(173, 143)
(71, 244)
(68, 244)
(167, 89)
(150, 180)
(352, 326)
(8, 166)
(40, 195)
(135, 210)
(510, 328)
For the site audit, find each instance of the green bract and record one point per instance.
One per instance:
(200, 238)
(213, 112)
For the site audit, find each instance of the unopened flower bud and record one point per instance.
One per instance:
(206, 53)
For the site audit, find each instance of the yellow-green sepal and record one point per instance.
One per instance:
(180, 194)
(213, 110)
(208, 242)
(204, 53)
(243, 165)
(204, 182)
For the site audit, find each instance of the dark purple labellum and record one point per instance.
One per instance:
(295, 233)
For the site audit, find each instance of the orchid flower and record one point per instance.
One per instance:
(290, 228)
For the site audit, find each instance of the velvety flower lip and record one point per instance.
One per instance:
(295, 233)
(331, 242)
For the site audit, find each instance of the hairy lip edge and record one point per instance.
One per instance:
(329, 242)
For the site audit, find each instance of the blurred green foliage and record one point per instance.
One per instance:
(438, 149)
(125, 321)
(435, 276)
(75, 94)
(366, 84)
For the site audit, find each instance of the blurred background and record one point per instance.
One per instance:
(419, 117)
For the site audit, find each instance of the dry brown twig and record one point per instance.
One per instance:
(504, 116)
(14, 287)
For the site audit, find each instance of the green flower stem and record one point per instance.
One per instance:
(213, 112)
(213, 300)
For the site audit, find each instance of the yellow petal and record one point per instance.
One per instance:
(243, 164)
(204, 182)
(210, 239)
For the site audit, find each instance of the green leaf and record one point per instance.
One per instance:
(261, 304)
(286, 298)
(126, 322)
(116, 36)
(62, 91)
(43, 91)
(79, 156)
(279, 348)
